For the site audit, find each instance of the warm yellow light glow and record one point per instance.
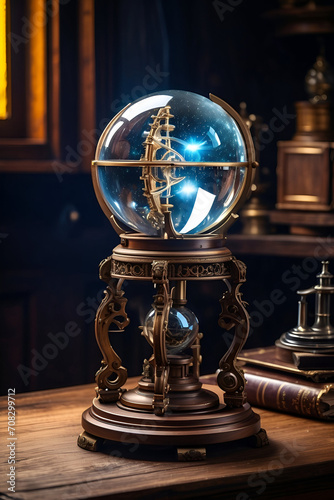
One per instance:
(36, 88)
(3, 62)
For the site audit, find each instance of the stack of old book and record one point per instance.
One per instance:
(304, 386)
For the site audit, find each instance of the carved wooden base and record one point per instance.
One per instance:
(116, 423)
(177, 401)
(183, 454)
(185, 391)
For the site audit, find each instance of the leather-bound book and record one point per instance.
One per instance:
(288, 393)
(267, 358)
(306, 361)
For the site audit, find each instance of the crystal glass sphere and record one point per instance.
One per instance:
(172, 127)
(182, 328)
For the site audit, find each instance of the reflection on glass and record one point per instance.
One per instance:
(201, 208)
(112, 132)
(172, 127)
(182, 328)
(147, 104)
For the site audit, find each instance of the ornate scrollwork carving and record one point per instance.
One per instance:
(233, 315)
(112, 375)
(162, 302)
(128, 269)
(201, 270)
(139, 269)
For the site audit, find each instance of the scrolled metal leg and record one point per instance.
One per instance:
(161, 306)
(112, 375)
(234, 315)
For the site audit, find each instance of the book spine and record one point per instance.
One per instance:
(284, 396)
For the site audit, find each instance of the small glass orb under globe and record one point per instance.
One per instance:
(182, 329)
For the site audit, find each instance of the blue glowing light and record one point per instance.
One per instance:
(188, 188)
(191, 152)
(193, 147)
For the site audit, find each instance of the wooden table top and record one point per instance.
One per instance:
(49, 465)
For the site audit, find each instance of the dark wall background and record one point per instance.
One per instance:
(53, 233)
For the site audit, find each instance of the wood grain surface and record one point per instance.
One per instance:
(298, 462)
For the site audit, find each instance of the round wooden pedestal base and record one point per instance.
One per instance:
(114, 422)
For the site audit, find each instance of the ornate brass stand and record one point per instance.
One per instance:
(153, 142)
(169, 405)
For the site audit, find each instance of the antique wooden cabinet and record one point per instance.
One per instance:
(305, 175)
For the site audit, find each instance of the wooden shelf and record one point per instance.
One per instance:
(302, 218)
(306, 20)
(282, 245)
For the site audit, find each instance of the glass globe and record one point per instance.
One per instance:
(167, 148)
(182, 328)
